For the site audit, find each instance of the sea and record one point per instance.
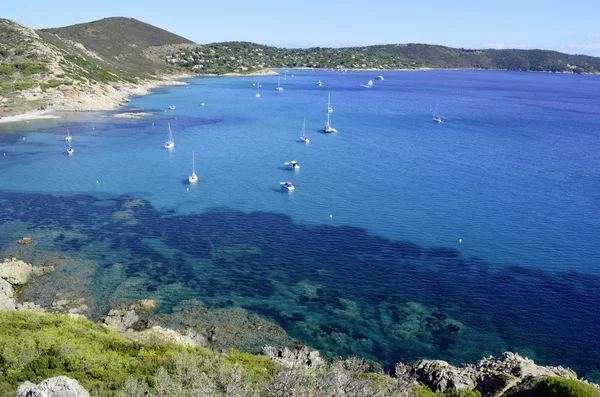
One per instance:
(404, 238)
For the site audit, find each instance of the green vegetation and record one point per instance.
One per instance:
(559, 387)
(24, 68)
(424, 391)
(240, 57)
(36, 346)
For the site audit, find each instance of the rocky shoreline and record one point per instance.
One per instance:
(506, 375)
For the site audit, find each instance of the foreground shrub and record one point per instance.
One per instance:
(560, 387)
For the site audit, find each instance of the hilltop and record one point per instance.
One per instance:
(90, 66)
(236, 56)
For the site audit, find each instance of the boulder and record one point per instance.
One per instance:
(59, 386)
(17, 272)
(133, 316)
(7, 294)
(439, 375)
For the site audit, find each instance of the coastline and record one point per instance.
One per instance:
(96, 99)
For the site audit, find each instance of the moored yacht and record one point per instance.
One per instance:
(279, 88)
(287, 185)
(193, 178)
(303, 137)
(70, 150)
(170, 143)
(379, 78)
(292, 165)
(172, 107)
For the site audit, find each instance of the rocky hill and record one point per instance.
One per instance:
(92, 66)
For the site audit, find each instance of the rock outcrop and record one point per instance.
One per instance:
(134, 316)
(7, 296)
(492, 376)
(17, 272)
(59, 386)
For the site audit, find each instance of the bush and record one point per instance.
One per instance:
(560, 387)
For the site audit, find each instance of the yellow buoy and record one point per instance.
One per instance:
(460, 240)
(330, 216)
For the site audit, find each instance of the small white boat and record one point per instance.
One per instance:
(172, 107)
(257, 91)
(319, 83)
(303, 137)
(193, 178)
(379, 78)
(287, 185)
(70, 150)
(68, 137)
(201, 103)
(292, 165)
(329, 108)
(368, 85)
(170, 143)
(278, 86)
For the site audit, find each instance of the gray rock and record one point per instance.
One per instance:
(59, 386)
(17, 272)
(492, 376)
(7, 294)
(122, 318)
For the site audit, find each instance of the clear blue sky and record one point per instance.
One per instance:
(567, 26)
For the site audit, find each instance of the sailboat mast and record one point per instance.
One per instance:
(193, 163)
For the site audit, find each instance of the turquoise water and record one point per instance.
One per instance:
(364, 256)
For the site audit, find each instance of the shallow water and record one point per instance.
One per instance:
(512, 172)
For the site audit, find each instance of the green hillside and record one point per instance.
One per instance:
(121, 42)
(243, 57)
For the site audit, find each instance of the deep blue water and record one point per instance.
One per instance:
(513, 171)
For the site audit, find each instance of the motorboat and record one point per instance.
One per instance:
(287, 185)
(292, 165)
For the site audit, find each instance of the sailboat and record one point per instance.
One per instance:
(278, 86)
(303, 137)
(170, 144)
(257, 90)
(68, 137)
(319, 83)
(436, 118)
(328, 127)
(368, 85)
(329, 108)
(193, 178)
(70, 150)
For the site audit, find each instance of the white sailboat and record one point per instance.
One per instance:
(170, 143)
(70, 150)
(328, 128)
(193, 178)
(172, 107)
(257, 90)
(278, 86)
(368, 85)
(303, 137)
(436, 118)
(68, 137)
(380, 77)
(319, 83)
(329, 108)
